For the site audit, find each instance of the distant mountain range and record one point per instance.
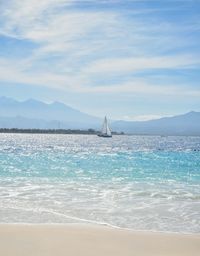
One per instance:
(187, 124)
(36, 114)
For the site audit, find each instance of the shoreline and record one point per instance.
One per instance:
(97, 225)
(85, 132)
(88, 239)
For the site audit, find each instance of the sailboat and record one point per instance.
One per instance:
(105, 131)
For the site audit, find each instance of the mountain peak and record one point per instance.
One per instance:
(192, 112)
(32, 101)
(35, 109)
(57, 104)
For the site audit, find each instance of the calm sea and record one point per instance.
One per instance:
(134, 182)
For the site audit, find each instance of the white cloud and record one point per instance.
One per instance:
(56, 29)
(14, 72)
(141, 63)
(143, 117)
(143, 87)
(87, 43)
(23, 15)
(50, 21)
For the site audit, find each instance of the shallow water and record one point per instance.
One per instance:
(135, 182)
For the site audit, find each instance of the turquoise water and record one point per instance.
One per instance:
(135, 182)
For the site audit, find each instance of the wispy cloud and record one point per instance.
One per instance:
(141, 63)
(103, 49)
(142, 117)
(18, 18)
(15, 73)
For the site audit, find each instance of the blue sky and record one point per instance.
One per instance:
(132, 60)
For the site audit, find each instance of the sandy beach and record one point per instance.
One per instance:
(49, 240)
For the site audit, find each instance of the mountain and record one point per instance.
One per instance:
(187, 124)
(28, 123)
(36, 114)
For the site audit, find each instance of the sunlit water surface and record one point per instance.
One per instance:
(135, 182)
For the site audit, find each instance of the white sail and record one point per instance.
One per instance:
(108, 131)
(105, 128)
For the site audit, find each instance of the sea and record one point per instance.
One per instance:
(130, 182)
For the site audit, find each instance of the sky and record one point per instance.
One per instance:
(127, 59)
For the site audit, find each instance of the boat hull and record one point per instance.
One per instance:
(104, 136)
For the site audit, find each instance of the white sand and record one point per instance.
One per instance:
(71, 240)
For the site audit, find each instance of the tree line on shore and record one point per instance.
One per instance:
(52, 131)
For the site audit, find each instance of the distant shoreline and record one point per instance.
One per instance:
(84, 132)
(54, 131)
